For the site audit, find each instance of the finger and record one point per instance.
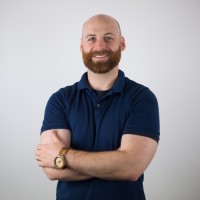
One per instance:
(40, 147)
(36, 153)
(40, 163)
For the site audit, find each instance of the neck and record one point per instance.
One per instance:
(102, 81)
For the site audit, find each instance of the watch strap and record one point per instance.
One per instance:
(63, 151)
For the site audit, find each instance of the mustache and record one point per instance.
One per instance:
(101, 52)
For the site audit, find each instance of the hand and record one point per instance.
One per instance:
(46, 153)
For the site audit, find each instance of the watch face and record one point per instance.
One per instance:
(60, 162)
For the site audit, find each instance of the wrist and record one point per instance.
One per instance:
(60, 160)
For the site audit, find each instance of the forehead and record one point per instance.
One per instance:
(101, 25)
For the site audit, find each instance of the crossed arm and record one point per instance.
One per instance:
(126, 163)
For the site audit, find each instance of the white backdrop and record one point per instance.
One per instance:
(39, 53)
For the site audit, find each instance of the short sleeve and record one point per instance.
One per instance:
(55, 116)
(143, 118)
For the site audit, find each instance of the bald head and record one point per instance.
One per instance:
(97, 21)
(101, 43)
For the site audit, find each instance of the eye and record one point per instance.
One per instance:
(108, 38)
(91, 39)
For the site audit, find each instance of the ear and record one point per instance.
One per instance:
(122, 43)
(81, 45)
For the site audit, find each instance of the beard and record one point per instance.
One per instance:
(102, 66)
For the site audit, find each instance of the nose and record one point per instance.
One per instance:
(100, 44)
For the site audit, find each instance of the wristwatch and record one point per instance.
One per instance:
(60, 161)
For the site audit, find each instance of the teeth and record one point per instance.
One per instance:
(100, 56)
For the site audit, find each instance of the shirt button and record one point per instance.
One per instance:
(98, 105)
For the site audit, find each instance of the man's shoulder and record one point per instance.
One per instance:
(62, 93)
(137, 90)
(133, 86)
(67, 89)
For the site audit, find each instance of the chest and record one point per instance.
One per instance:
(97, 124)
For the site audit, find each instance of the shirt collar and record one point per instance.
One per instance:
(117, 87)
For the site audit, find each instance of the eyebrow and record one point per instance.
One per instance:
(92, 35)
(110, 34)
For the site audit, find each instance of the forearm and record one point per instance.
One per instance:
(65, 174)
(112, 165)
(126, 163)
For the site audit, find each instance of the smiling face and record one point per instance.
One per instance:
(101, 44)
(101, 61)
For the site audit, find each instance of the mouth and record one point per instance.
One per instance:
(100, 57)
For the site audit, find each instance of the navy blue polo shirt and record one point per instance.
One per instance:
(97, 124)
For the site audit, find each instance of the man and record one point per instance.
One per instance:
(100, 134)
